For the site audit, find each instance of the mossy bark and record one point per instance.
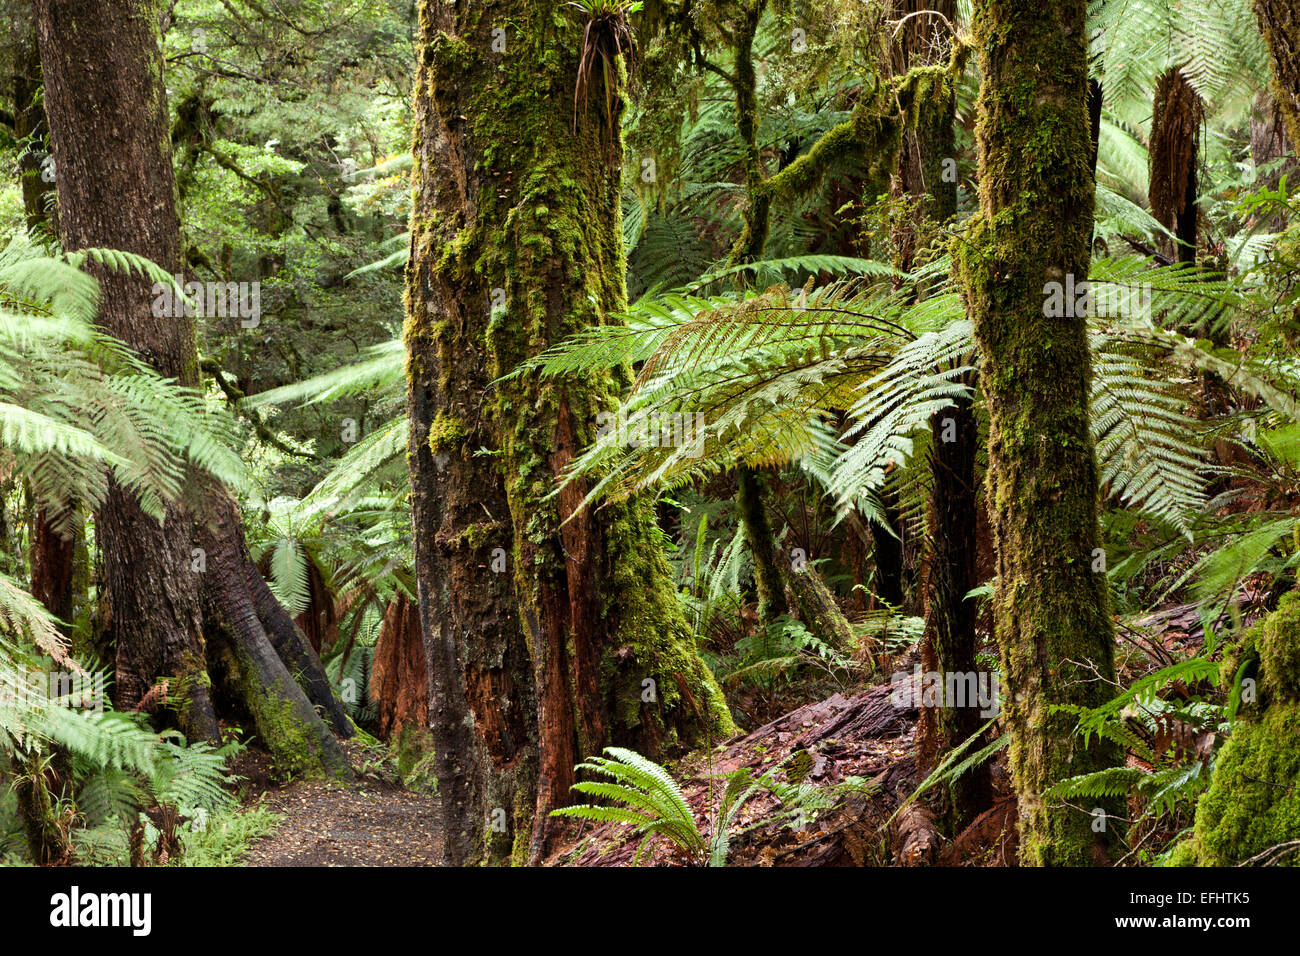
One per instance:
(482, 703)
(531, 252)
(1034, 227)
(1253, 801)
(47, 836)
(769, 582)
(927, 177)
(1279, 20)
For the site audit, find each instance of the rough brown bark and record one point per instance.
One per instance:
(926, 175)
(950, 615)
(1279, 20)
(52, 557)
(399, 686)
(516, 246)
(1176, 122)
(106, 103)
(113, 172)
(51, 553)
(482, 704)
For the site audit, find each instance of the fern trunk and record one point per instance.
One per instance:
(47, 836)
(107, 109)
(1034, 227)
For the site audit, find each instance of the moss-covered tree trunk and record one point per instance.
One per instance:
(1034, 227)
(769, 580)
(482, 705)
(927, 176)
(1280, 22)
(166, 585)
(518, 244)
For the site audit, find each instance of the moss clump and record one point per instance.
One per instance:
(1253, 802)
(1254, 798)
(445, 434)
(1185, 853)
(1277, 641)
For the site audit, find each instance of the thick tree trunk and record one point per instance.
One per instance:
(482, 703)
(107, 109)
(1280, 22)
(114, 179)
(528, 250)
(1035, 227)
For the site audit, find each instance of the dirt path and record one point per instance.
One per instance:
(331, 825)
(372, 822)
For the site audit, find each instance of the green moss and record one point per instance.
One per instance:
(1277, 641)
(649, 622)
(446, 434)
(292, 743)
(1254, 798)
(413, 751)
(1185, 853)
(1253, 801)
(1035, 226)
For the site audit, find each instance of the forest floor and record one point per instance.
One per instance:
(858, 749)
(856, 746)
(371, 822)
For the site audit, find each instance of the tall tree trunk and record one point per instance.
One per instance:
(927, 175)
(1279, 20)
(482, 704)
(516, 244)
(31, 129)
(52, 553)
(107, 109)
(769, 581)
(597, 598)
(1034, 227)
